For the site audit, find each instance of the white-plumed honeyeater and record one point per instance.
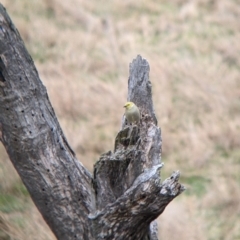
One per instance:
(132, 112)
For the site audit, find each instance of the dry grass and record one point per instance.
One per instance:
(82, 50)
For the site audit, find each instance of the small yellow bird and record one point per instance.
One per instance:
(132, 112)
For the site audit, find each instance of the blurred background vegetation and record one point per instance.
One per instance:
(82, 50)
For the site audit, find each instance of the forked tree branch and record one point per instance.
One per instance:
(123, 196)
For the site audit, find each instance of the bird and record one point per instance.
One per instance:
(132, 112)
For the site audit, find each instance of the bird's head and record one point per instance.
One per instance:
(128, 105)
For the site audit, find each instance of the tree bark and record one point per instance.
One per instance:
(123, 196)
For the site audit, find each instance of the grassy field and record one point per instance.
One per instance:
(82, 50)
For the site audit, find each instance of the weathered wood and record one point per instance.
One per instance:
(140, 88)
(123, 196)
(137, 153)
(57, 182)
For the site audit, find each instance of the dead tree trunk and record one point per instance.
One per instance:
(123, 196)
